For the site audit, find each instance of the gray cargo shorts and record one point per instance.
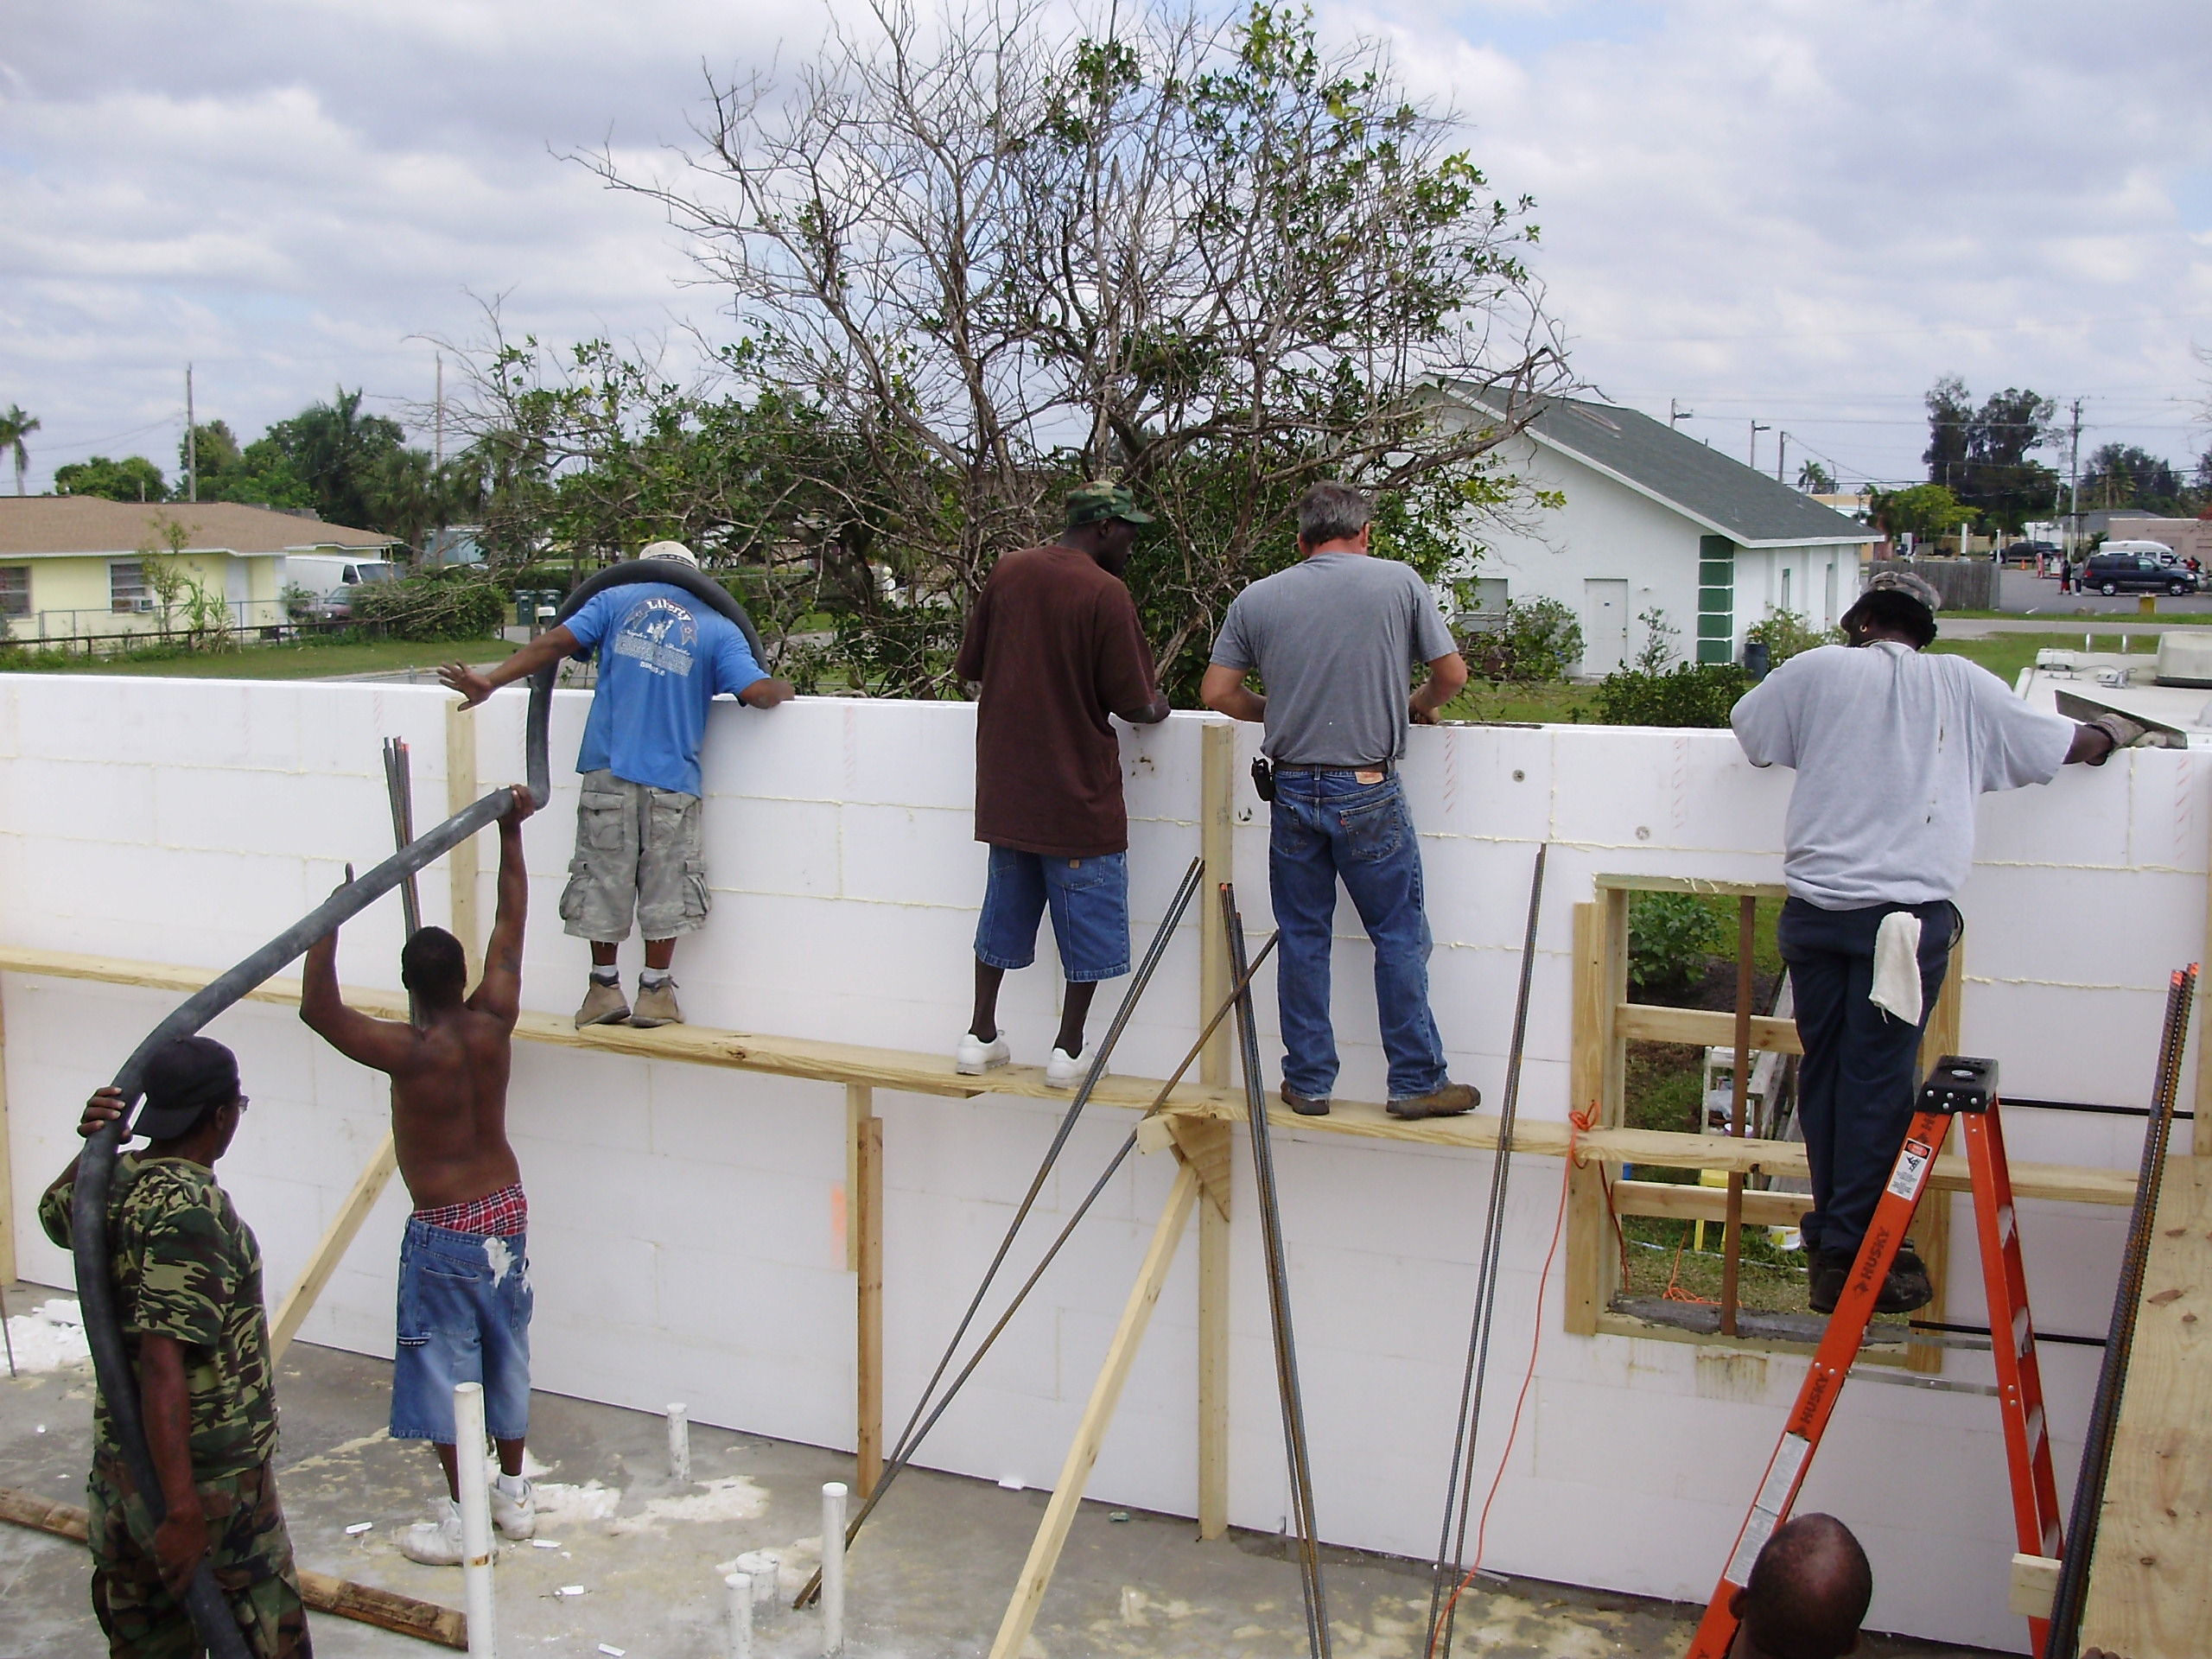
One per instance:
(636, 846)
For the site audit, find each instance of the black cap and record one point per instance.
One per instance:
(182, 1081)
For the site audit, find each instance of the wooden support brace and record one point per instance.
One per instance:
(2035, 1585)
(460, 863)
(1090, 1433)
(864, 1222)
(1590, 1268)
(331, 1250)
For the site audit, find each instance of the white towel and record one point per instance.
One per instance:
(1897, 966)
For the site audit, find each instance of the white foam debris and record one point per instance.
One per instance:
(49, 1337)
(613, 1653)
(561, 1504)
(731, 1497)
(569, 1589)
(545, 1543)
(359, 1528)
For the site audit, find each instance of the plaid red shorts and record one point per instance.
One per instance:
(496, 1214)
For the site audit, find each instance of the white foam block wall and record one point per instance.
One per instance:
(685, 1228)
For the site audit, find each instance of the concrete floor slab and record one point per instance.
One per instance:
(929, 1578)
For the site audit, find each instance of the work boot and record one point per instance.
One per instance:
(435, 1542)
(1907, 1287)
(974, 1057)
(515, 1512)
(604, 1005)
(657, 1005)
(1449, 1101)
(1303, 1105)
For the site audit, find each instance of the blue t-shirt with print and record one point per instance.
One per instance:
(663, 657)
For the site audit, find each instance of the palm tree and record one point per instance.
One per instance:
(15, 427)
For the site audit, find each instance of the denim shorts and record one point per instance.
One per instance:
(1090, 899)
(464, 1317)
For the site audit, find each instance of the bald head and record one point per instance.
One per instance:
(1808, 1591)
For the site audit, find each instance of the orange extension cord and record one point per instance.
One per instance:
(1578, 1122)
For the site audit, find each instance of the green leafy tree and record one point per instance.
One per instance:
(1922, 511)
(132, 479)
(2127, 475)
(15, 427)
(1785, 634)
(983, 260)
(1815, 479)
(1689, 694)
(337, 453)
(1981, 454)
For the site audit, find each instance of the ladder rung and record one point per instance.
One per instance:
(2034, 1430)
(2023, 1334)
(2050, 1540)
(2004, 1226)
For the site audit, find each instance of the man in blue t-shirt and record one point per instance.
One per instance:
(662, 658)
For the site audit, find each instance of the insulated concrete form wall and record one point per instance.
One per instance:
(686, 1235)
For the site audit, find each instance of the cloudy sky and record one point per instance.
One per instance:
(1794, 212)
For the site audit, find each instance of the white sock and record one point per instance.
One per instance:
(513, 1485)
(607, 976)
(652, 978)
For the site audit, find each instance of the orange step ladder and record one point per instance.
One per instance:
(1966, 1089)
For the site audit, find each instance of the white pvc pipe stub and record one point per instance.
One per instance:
(762, 1569)
(833, 1569)
(737, 1597)
(679, 1442)
(475, 1502)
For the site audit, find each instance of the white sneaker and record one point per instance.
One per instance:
(435, 1542)
(1065, 1071)
(515, 1514)
(974, 1057)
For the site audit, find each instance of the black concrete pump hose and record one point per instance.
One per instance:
(211, 1614)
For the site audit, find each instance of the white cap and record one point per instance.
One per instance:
(675, 550)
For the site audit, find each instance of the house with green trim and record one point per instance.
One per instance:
(1654, 520)
(75, 567)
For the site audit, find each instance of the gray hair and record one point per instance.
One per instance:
(1332, 513)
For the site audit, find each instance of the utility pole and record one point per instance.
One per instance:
(1676, 414)
(1757, 427)
(438, 452)
(2074, 481)
(1781, 457)
(191, 442)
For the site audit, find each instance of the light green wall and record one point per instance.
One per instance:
(79, 584)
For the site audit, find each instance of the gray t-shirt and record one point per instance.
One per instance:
(1334, 638)
(1890, 747)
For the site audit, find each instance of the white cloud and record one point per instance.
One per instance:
(1794, 211)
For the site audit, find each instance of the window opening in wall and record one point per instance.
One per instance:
(1655, 1052)
(15, 590)
(126, 587)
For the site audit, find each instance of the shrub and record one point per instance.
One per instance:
(1670, 935)
(454, 604)
(1540, 636)
(1699, 694)
(1785, 634)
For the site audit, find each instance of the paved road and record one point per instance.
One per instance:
(2024, 591)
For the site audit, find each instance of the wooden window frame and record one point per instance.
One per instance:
(1605, 1020)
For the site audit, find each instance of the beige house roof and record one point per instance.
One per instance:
(36, 526)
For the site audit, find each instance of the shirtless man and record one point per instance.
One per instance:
(464, 1269)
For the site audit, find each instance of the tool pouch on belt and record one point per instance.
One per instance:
(1263, 778)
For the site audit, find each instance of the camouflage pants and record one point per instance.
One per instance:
(248, 1547)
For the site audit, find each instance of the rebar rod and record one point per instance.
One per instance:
(1459, 1486)
(2070, 1598)
(1285, 1347)
(902, 1453)
(1732, 1229)
(399, 784)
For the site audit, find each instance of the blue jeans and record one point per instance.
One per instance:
(1861, 1071)
(1328, 825)
(1089, 898)
(465, 1304)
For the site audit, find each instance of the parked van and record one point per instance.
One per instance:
(2157, 550)
(2124, 571)
(328, 579)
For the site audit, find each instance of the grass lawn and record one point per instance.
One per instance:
(280, 662)
(2006, 654)
(1535, 703)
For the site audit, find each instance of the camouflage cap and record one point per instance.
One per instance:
(1903, 581)
(1102, 500)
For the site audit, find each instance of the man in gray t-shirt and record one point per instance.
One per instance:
(1891, 748)
(1334, 638)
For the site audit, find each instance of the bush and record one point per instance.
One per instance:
(1670, 935)
(455, 604)
(1539, 638)
(1785, 634)
(1687, 695)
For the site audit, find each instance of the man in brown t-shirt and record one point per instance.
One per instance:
(1054, 644)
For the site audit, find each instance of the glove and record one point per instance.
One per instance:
(2123, 732)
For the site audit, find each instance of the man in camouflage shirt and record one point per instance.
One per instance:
(188, 1280)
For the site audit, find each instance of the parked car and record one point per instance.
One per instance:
(2029, 553)
(2132, 572)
